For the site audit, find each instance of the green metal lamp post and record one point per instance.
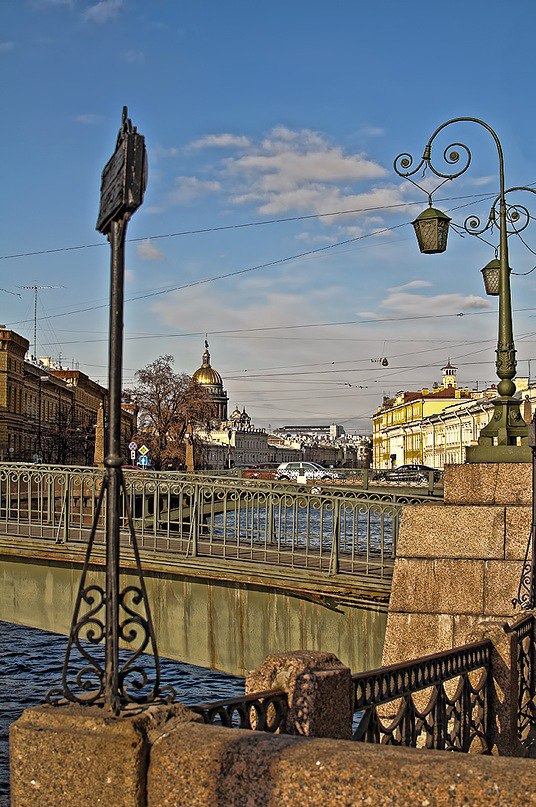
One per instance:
(504, 438)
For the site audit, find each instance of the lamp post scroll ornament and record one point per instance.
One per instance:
(506, 437)
(94, 671)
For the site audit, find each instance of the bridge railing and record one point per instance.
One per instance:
(439, 701)
(332, 528)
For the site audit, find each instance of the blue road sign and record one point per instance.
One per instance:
(143, 461)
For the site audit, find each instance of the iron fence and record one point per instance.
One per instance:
(439, 701)
(332, 528)
(260, 711)
(524, 630)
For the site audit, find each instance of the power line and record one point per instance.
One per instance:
(241, 226)
(268, 264)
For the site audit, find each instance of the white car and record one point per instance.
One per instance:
(300, 471)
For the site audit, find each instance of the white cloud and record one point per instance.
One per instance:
(130, 275)
(89, 119)
(400, 302)
(371, 131)
(134, 56)
(413, 284)
(315, 239)
(5, 47)
(103, 11)
(146, 250)
(225, 140)
(291, 171)
(189, 188)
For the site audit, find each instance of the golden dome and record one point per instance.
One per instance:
(206, 374)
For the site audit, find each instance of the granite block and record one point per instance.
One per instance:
(82, 755)
(409, 636)
(518, 526)
(501, 581)
(488, 483)
(450, 531)
(444, 586)
(319, 687)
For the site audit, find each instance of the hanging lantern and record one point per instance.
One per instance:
(491, 274)
(432, 229)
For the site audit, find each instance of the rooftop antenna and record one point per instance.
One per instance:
(36, 287)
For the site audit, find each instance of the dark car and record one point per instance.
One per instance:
(264, 470)
(409, 474)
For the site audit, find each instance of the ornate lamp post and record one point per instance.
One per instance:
(504, 439)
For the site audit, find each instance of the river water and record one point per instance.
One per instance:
(31, 662)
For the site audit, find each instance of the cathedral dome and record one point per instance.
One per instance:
(207, 375)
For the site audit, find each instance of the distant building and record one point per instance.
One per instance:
(431, 426)
(48, 413)
(211, 380)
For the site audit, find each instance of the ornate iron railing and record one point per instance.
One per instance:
(261, 711)
(525, 630)
(438, 701)
(333, 528)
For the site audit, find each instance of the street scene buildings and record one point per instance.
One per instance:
(49, 414)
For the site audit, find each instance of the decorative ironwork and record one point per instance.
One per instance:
(94, 672)
(525, 631)
(260, 711)
(336, 528)
(438, 701)
(504, 430)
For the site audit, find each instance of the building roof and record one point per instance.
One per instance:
(206, 374)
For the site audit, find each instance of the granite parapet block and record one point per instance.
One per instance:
(319, 687)
(80, 755)
(200, 765)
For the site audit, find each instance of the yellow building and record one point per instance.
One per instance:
(396, 426)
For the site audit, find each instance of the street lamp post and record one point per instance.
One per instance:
(504, 438)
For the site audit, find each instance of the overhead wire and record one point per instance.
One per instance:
(243, 225)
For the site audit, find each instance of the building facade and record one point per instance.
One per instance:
(397, 425)
(48, 414)
(434, 427)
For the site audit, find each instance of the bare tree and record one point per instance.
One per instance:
(169, 405)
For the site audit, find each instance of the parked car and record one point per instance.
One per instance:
(264, 470)
(290, 471)
(409, 474)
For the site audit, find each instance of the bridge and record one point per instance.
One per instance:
(235, 569)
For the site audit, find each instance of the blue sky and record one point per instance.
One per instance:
(255, 112)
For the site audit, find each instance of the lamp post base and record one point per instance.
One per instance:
(492, 453)
(504, 438)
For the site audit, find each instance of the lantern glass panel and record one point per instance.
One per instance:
(491, 275)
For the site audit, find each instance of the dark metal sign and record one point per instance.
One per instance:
(124, 178)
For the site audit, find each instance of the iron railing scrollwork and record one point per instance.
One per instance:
(439, 701)
(525, 633)
(260, 711)
(84, 667)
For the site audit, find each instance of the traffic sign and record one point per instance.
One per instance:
(143, 461)
(133, 455)
(144, 450)
(133, 446)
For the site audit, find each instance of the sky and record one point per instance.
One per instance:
(251, 114)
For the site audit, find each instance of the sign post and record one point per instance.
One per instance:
(114, 614)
